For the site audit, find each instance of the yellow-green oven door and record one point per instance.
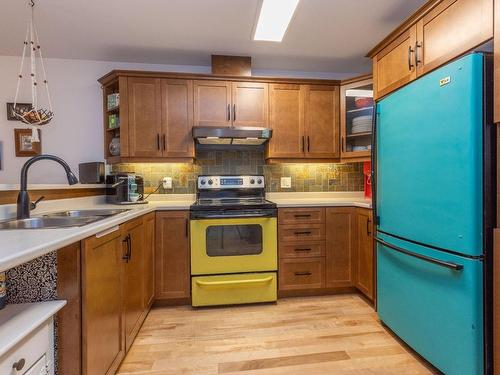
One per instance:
(233, 245)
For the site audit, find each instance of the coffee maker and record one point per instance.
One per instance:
(125, 188)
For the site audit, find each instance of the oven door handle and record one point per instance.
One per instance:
(230, 283)
(235, 216)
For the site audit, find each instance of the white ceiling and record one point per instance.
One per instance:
(324, 35)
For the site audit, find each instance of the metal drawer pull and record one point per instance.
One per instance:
(410, 64)
(18, 366)
(300, 233)
(303, 273)
(302, 215)
(234, 282)
(107, 231)
(304, 249)
(442, 263)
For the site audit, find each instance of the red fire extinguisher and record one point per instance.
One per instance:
(367, 171)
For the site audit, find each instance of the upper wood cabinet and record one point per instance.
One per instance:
(286, 121)
(172, 258)
(250, 101)
(340, 247)
(144, 127)
(394, 65)
(450, 29)
(177, 118)
(321, 121)
(441, 31)
(212, 103)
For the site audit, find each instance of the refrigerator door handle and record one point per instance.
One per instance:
(442, 263)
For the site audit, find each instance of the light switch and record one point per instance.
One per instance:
(167, 182)
(286, 182)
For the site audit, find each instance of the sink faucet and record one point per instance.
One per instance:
(23, 199)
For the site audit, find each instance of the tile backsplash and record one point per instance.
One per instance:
(305, 176)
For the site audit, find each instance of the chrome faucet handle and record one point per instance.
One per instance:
(34, 204)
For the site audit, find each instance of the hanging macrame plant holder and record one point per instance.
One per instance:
(36, 116)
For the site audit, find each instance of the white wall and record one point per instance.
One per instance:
(76, 132)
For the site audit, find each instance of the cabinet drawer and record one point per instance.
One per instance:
(302, 273)
(301, 232)
(302, 250)
(301, 215)
(35, 346)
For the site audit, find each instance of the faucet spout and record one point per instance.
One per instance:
(23, 199)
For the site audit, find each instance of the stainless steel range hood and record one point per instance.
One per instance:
(246, 136)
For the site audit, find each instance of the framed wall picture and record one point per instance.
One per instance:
(24, 146)
(10, 112)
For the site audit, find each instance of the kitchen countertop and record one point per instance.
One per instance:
(22, 245)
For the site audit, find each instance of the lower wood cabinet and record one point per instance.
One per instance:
(172, 258)
(365, 281)
(340, 254)
(103, 336)
(302, 273)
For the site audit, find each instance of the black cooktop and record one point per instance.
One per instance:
(231, 204)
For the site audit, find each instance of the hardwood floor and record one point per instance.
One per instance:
(297, 336)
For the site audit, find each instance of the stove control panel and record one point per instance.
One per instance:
(231, 182)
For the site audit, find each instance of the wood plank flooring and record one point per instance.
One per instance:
(297, 336)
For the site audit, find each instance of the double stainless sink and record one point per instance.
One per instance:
(61, 219)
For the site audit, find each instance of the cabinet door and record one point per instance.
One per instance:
(450, 29)
(340, 270)
(149, 261)
(144, 121)
(321, 121)
(250, 104)
(364, 253)
(102, 322)
(133, 288)
(212, 103)
(172, 272)
(287, 121)
(394, 66)
(177, 118)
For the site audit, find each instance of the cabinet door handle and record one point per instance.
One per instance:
(307, 273)
(229, 112)
(19, 365)
(303, 249)
(303, 144)
(308, 144)
(418, 46)
(368, 231)
(342, 144)
(129, 245)
(187, 228)
(410, 64)
(126, 240)
(164, 142)
(302, 233)
(234, 112)
(158, 141)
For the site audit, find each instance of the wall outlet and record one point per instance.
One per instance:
(167, 182)
(286, 182)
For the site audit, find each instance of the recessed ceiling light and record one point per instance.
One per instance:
(274, 17)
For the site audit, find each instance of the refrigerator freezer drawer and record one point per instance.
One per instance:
(434, 307)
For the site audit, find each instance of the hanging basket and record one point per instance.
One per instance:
(37, 117)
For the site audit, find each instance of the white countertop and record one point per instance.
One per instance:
(22, 245)
(18, 320)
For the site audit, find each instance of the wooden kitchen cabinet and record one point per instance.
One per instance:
(177, 118)
(144, 118)
(321, 111)
(172, 258)
(365, 278)
(439, 32)
(102, 303)
(340, 247)
(286, 105)
(394, 65)
(149, 260)
(133, 278)
(212, 103)
(250, 102)
(302, 273)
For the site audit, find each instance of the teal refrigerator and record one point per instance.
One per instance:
(434, 200)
